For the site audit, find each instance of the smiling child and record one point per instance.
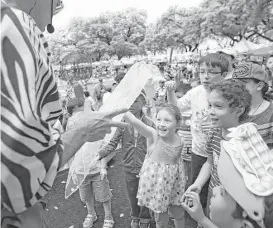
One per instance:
(245, 197)
(229, 103)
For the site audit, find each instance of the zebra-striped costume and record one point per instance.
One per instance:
(31, 148)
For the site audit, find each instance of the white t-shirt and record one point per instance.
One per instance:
(196, 100)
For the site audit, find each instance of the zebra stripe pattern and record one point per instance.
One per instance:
(30, 107)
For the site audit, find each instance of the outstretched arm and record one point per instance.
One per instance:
(142, 128)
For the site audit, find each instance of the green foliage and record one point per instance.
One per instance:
(126, 33)
(238, 19)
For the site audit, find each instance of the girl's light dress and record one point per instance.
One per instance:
(162, 185)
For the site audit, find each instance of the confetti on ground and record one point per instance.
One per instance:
(56, 208)
(121, 215)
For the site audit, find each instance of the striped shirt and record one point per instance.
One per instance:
(31, 148)
(264, 121)
(213, 148)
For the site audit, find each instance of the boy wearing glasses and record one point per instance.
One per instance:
(212, 67)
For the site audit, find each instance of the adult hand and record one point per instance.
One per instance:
(95, 125)
(193, 206)
(170, 85)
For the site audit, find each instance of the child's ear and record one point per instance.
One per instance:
(240, 111)
(246, 224)
(260, 86)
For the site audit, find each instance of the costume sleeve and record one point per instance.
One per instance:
(112, 145)
(31, 148)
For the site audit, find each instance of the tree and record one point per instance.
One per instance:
(130, 25)
(122, 48)
(100, 36)
(152, 41)
(181, 28)
(97, 49)
(238, 19)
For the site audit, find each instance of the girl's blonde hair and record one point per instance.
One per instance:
(173, 110)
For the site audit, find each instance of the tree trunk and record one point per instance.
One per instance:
(171, 55)
(195, 47)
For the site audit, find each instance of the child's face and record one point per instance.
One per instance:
(166, 124)
(137, 105)
(269, 63)
(221, 114)
(222, 207)
(209, 75)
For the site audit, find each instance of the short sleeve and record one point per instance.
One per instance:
(184, 103)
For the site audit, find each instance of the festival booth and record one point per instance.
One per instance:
(247, 50)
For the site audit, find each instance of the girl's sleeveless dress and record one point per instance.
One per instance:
(160, 184)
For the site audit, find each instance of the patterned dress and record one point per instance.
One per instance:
(160, 184)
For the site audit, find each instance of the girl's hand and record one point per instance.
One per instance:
(103, 173)
(170, 85)
(191, 203)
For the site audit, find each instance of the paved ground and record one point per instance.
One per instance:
(70, 213)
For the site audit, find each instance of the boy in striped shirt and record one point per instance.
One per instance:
(229, 103)
(235, 94)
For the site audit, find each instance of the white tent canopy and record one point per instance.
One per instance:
(245, 47)
(262, 51)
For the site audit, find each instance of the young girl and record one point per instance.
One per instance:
(162, 182)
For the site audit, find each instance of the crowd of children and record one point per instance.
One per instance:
(162, 180)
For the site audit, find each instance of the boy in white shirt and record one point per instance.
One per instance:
(213, 67)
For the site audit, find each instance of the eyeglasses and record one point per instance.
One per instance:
(59, 7)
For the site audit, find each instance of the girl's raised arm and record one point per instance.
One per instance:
(143, 129)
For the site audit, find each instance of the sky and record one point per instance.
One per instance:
(91, 8)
